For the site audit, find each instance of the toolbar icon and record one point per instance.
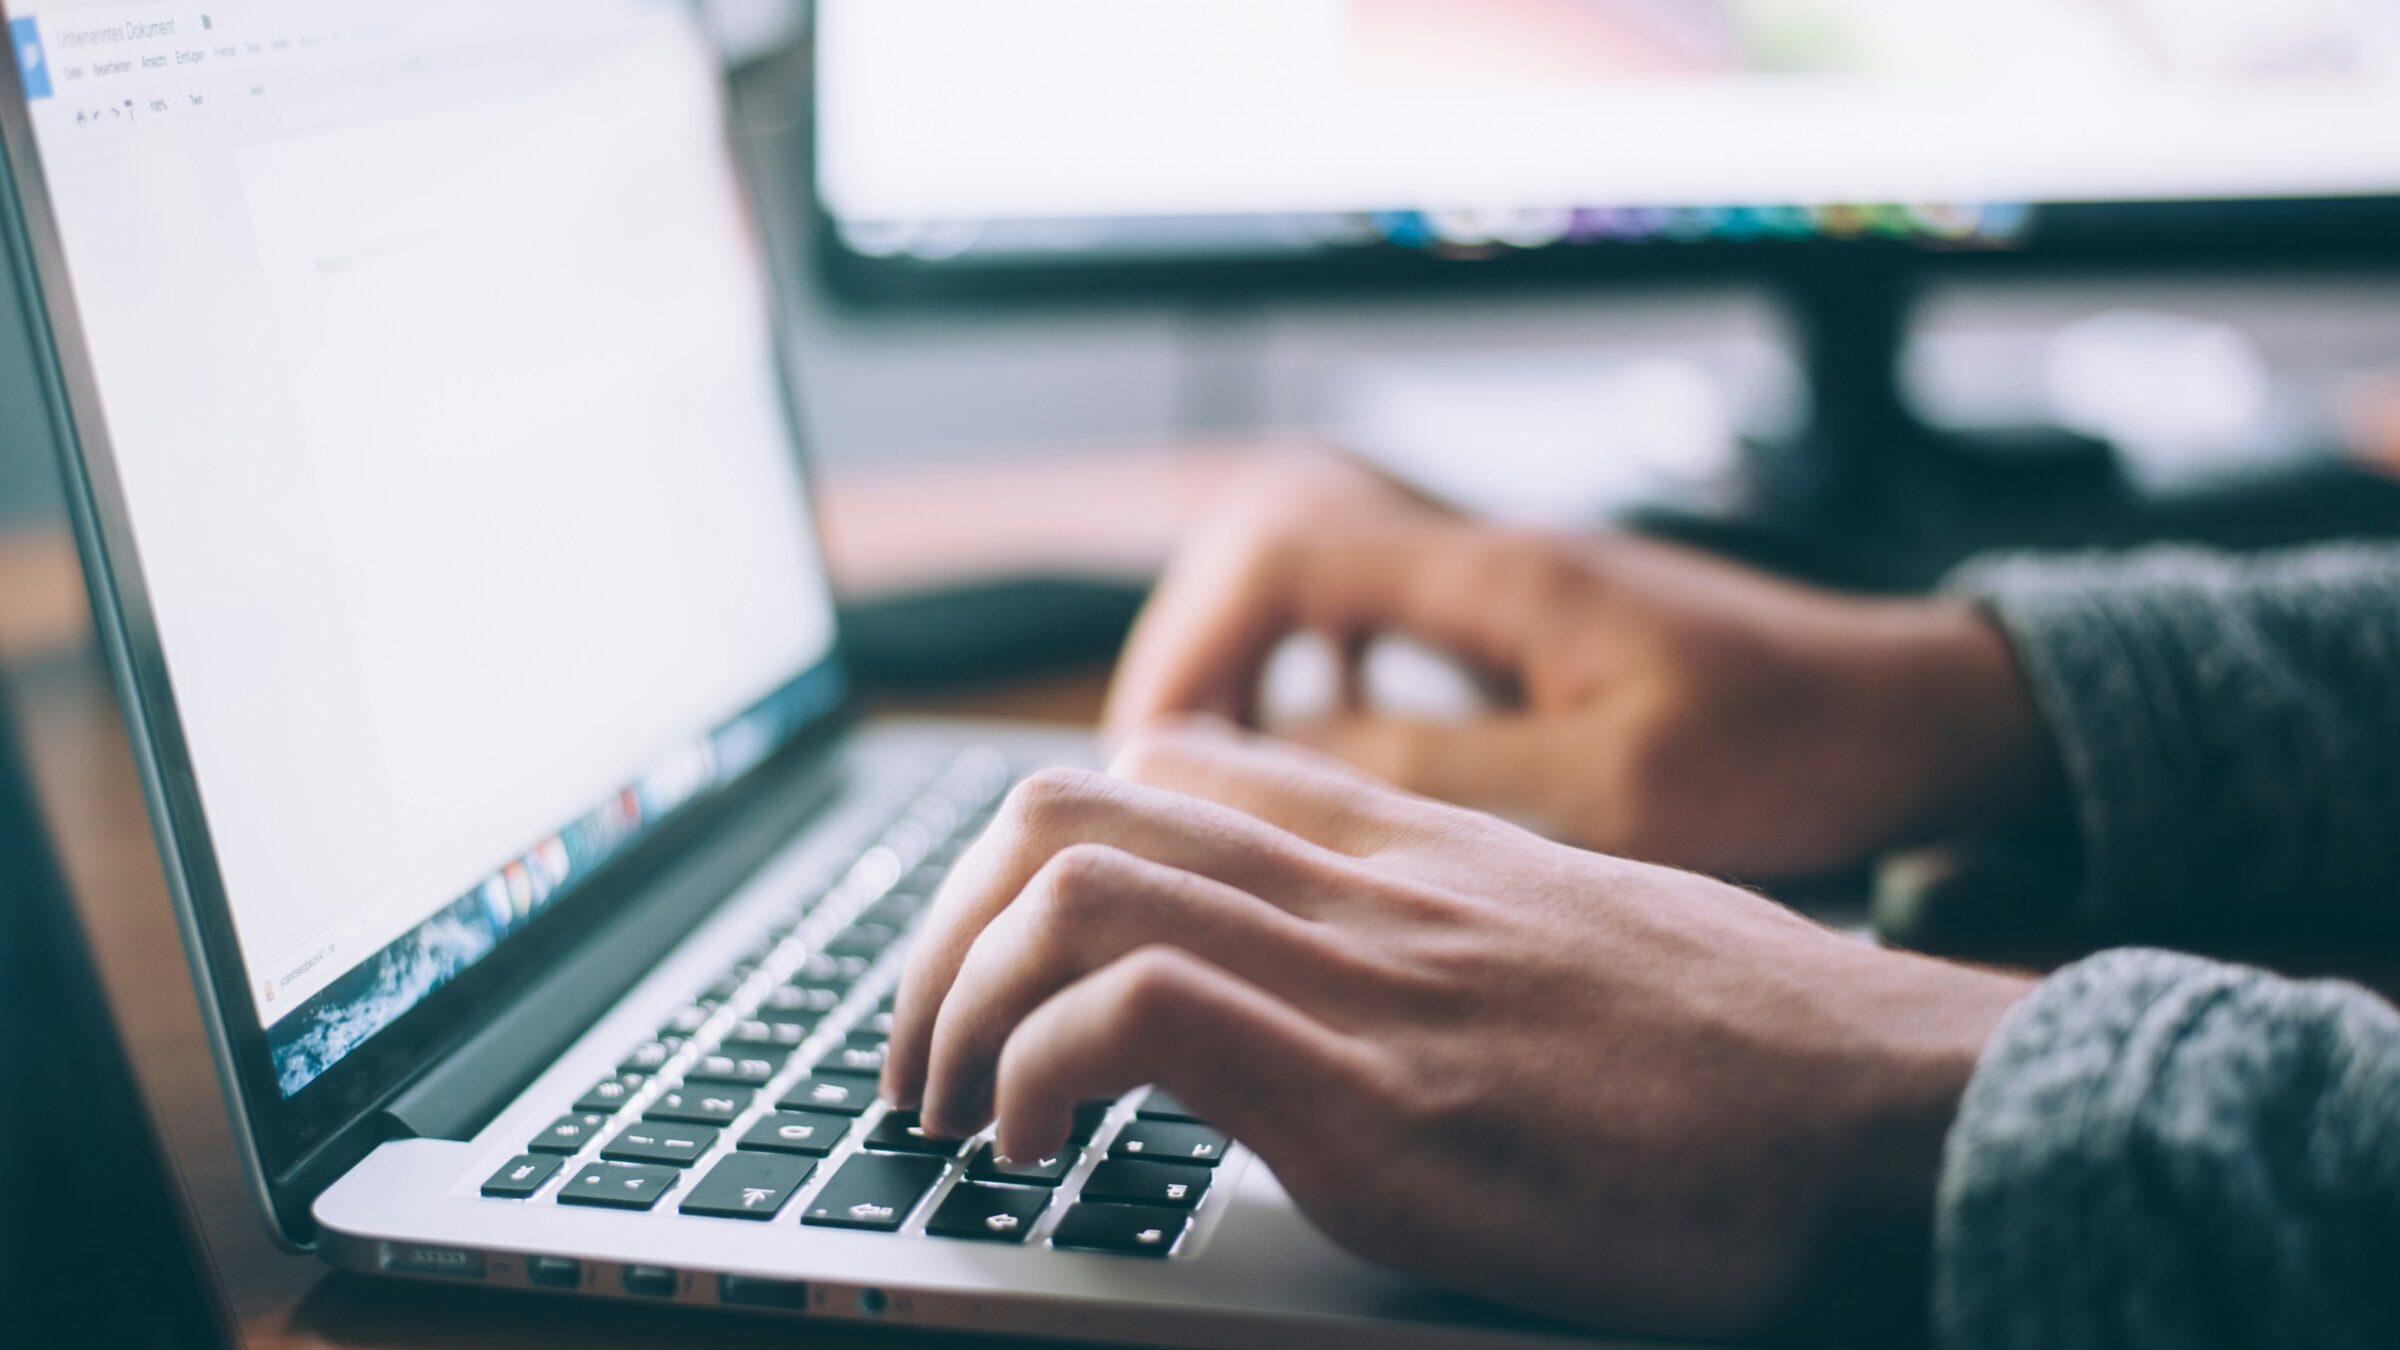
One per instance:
(32, 65)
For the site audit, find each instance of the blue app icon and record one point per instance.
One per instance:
(31, 64)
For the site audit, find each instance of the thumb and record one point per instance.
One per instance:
(1494, 764)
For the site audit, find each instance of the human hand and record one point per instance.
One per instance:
(1446, 1034)
(1663, 704)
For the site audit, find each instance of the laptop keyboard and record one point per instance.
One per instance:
(757, 1103)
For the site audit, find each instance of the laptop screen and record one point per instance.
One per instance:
(431, 346)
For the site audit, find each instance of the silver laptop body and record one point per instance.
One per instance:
(474, 639)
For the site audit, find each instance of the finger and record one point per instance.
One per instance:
(1050, 812)
(1309, 793)
(1491, 763)
(1248, 1062)
(1212, 623)
(1092, 905)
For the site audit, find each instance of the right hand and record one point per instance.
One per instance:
(1665, 705)
(1445, 1034)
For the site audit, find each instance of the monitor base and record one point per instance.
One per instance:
(1948, 497)
(1871, 496)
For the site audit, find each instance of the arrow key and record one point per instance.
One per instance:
(988, 1213)
(748, 1186)
(1050, 1171)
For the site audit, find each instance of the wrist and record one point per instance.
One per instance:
(1980, 756)
(1923, 1032)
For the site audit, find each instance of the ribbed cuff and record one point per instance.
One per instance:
(2100, 660)
(2033, 1218)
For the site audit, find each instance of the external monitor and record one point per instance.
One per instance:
(964, 144)
(1835, 149)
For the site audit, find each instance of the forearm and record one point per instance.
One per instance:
(2226, 731)
(2160, 1151)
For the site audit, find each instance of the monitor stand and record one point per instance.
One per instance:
(1872, 495)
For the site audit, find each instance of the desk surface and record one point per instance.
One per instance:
(1118, 514)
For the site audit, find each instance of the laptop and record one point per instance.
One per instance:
(435, 468)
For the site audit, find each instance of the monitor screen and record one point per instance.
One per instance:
(956, 132)
(430, 344)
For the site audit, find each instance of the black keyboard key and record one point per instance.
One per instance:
(988, 1213)
(1089, 1116)
(895, 912)
(703, 1105)
(1168, 1141)
(835, 971)
(840, 1094)
(618, 1185)
(866, 940)
(1160, 1104)
(800, 1001)
(569, 1133)
(520, 1176)
(610, 1093)
(761, 1036)
(874, 1191)
(748, 1186)
(805, 1133)
(859, 1052)
(1170, 1185)
(650, 1056)
(1133, 1230)
(1048, 1171)
(651, 1142)
(899, 1132)
(740, 1070)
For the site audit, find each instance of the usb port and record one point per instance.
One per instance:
(749, 1291)
(554, 1272)
(652, 1281)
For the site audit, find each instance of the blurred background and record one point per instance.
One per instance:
(1127, 261)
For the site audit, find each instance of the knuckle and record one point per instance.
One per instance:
(1152, 988)
(1404, 753)
(1538, 568)
(1153, 751)
(1077, 885)
(1044, 799)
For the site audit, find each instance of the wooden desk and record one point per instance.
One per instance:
(1117, 514)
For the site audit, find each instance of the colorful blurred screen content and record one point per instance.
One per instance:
(950, 128)
(432, 352)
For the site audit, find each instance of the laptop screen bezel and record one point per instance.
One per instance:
(288, 1142)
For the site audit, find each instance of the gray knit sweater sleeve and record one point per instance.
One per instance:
(2230, 731)
(2161, 1151)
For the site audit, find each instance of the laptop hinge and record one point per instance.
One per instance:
(462, 1092)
